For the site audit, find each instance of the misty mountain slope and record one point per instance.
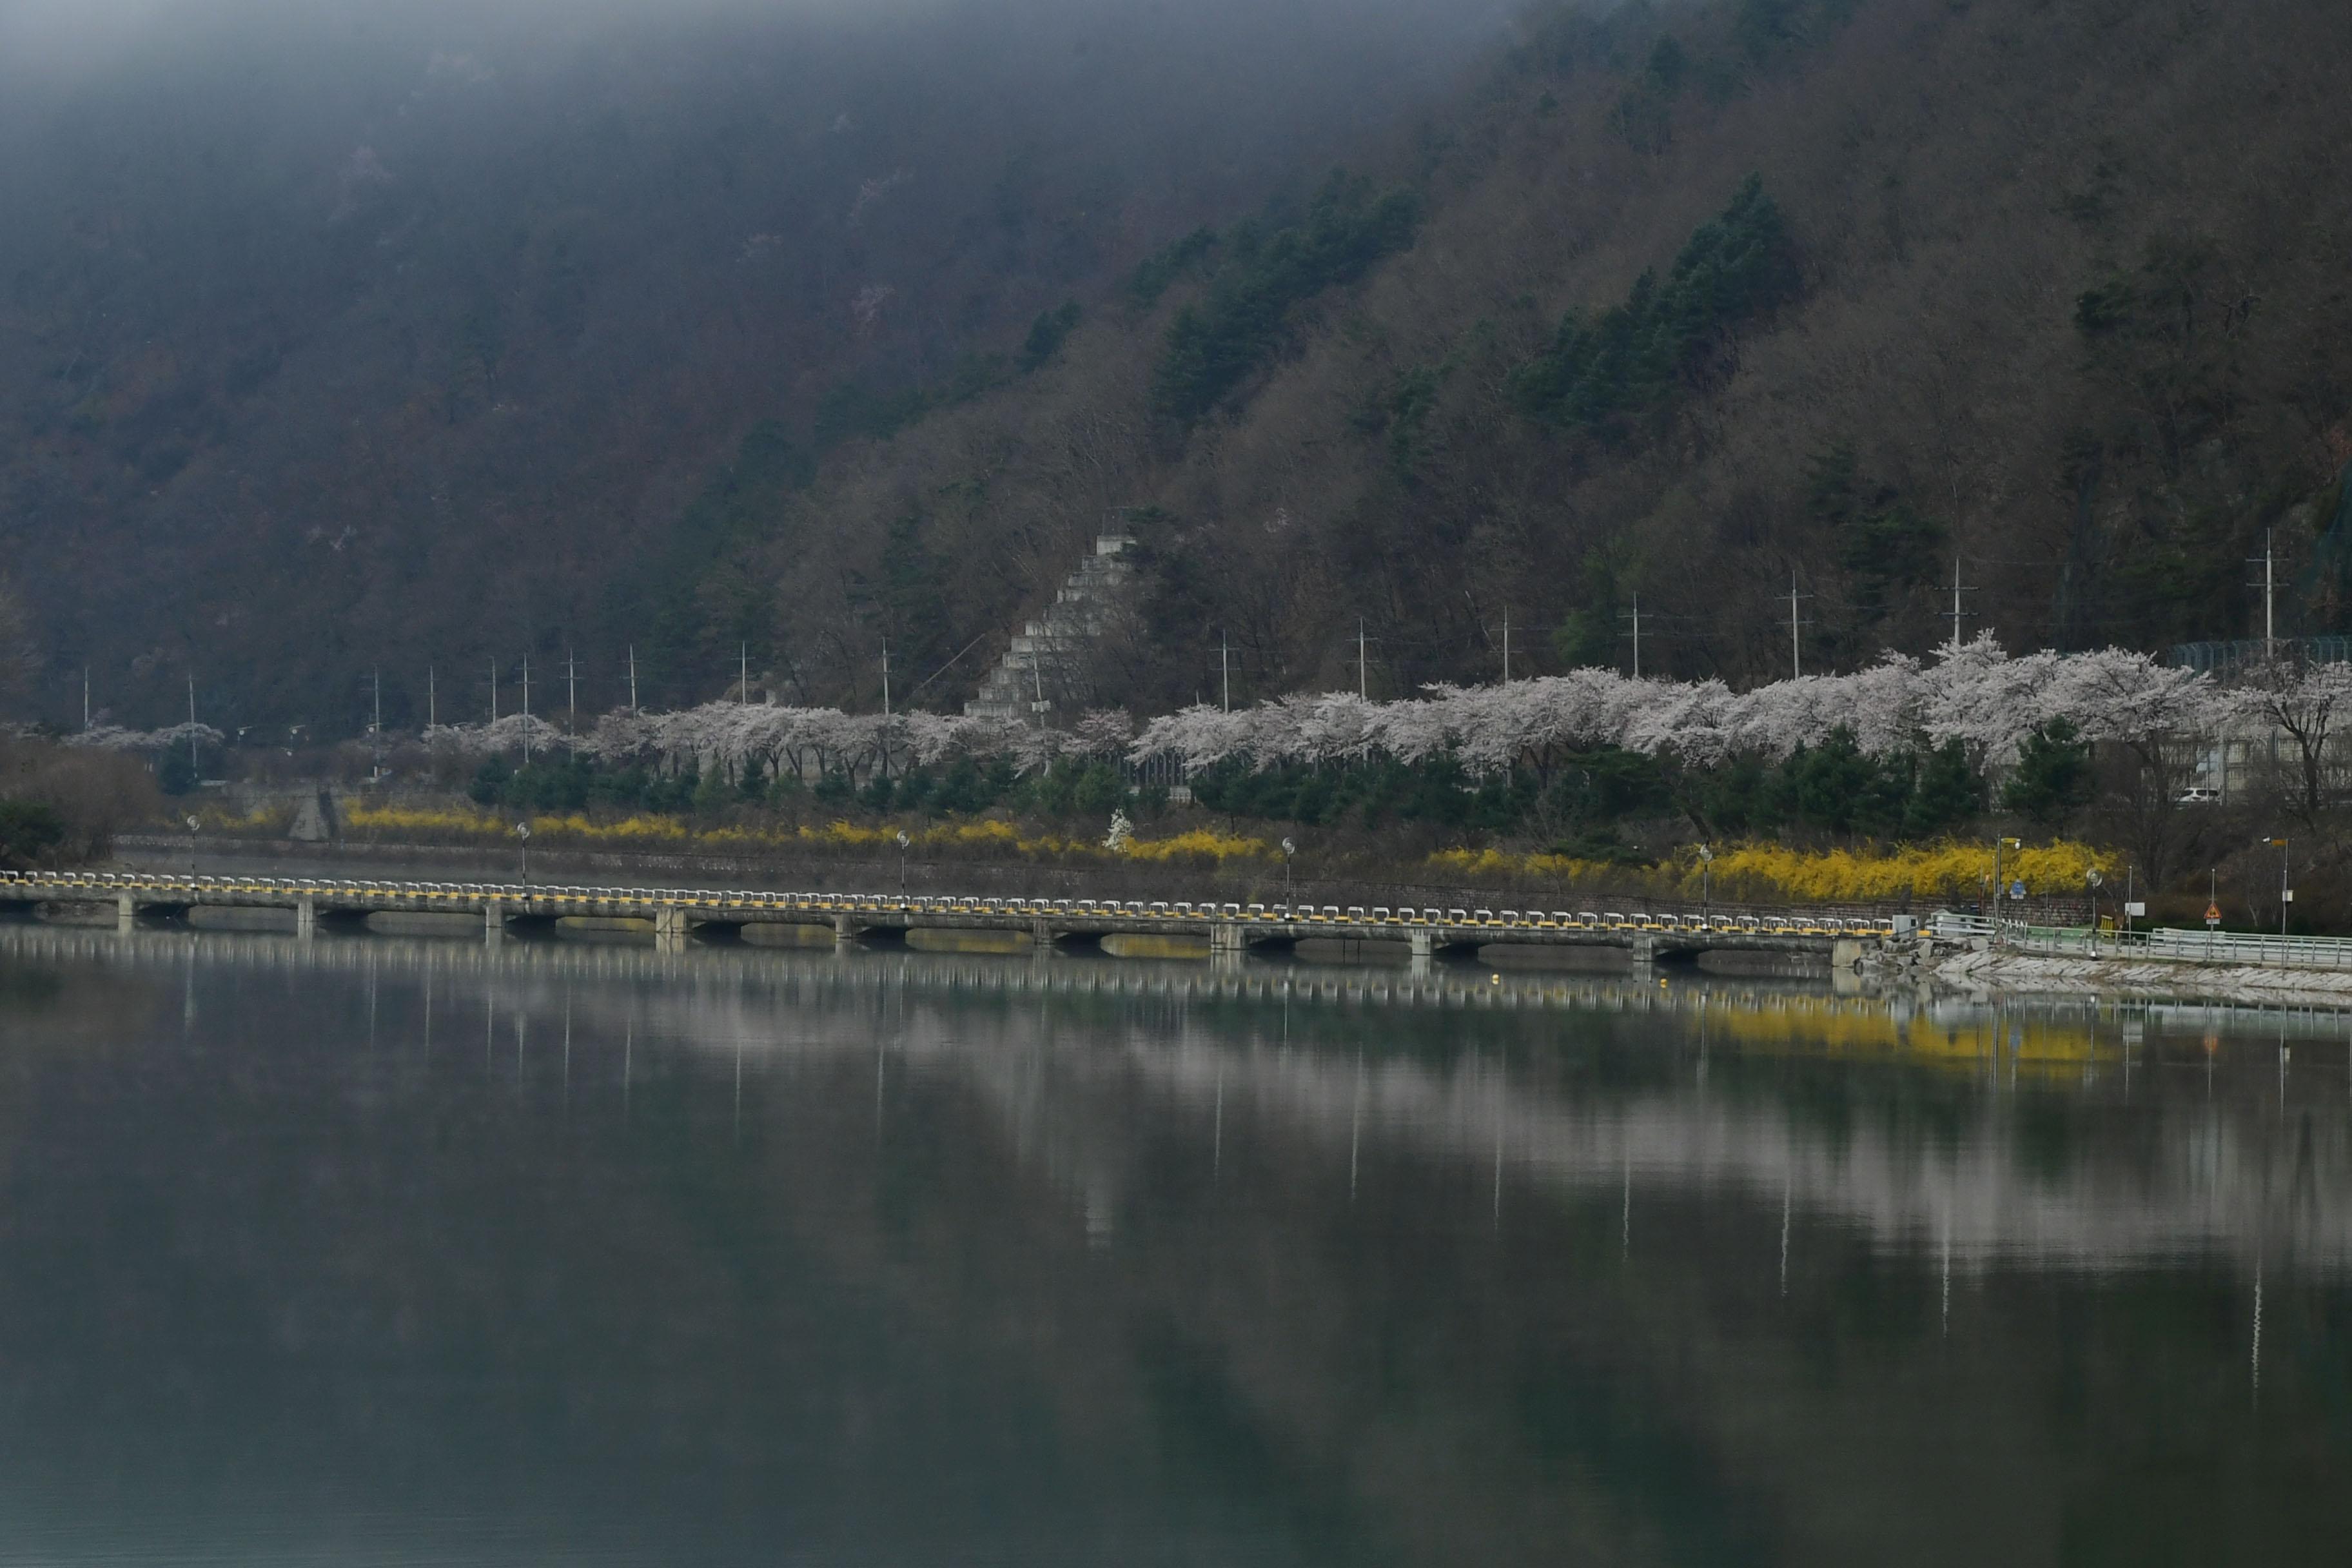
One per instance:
(2067, 300)
(333, 337)
(452, 341)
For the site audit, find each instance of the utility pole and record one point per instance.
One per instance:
(1506, 645)
(432, 701)
(633, 678)
(1956, 591)
(1796, 658)
(526, 710)
(195, 763)
(1637, 636)
(1225, 669)
(85, 697)
(571, 696)
(494, 691)
(743, 686)
(1363, 686)
(376, 731)
(2270, 625)
(885, 680)
(2268, 585)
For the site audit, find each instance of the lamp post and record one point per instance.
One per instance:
(522, 831)
(1289, 849)
(2091, 880)
(192, 826)
(1706, 867)
(2000, 888)
(903, 842)
(2286, 894)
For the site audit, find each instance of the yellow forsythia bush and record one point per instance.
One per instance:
(1918, 871)
(1773, 872)
(967, 837)
(1206, 842)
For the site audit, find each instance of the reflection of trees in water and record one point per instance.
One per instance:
(1164, 1215)
(1970, 1163)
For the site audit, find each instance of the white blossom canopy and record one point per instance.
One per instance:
(1974, 693)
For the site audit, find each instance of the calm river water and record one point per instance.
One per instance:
(378, 1251)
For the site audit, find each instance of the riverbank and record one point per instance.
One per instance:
(1995, 969)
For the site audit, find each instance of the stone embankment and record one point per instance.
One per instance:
(1982, 963)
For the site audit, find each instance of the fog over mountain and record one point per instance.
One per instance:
(338, 337)
(362, 323)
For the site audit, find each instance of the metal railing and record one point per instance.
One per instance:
(2264, 951)
(2238, 948)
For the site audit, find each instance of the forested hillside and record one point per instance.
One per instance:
(336, 334)
(813, 340)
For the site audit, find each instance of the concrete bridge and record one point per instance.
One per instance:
(1230, 930)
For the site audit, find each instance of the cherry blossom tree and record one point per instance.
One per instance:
(114, 738)
(2310, 703)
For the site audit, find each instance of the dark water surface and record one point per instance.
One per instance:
(380, 1251)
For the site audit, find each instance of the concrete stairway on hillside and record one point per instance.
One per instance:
(1046, 661)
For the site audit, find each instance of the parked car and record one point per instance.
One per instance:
(2198, 794)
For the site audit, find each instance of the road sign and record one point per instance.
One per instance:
(2288, 895)
(2017, 890)
(2137, 912)
(2212, 914)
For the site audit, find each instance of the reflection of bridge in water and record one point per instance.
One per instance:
(2256, 1165)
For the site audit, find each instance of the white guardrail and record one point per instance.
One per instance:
(2176, 946)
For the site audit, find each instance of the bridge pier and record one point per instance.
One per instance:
(494, 922)
(306, 918)
(1425, 946)
(844, 931)
(126, 913)
(1645, 951)
(1227, 940)
(669, 929)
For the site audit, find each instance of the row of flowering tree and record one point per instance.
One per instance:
(1975, 696)
(806, 744)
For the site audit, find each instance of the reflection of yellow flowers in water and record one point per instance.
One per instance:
(1800, 1025)
(983, 838)
(1771, 872)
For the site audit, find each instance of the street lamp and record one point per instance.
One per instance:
(192, 826)
(2091, 880)
(522, 831)
(1706, 866)
(903, 842)
(2286, 894)
(2000, 888)
(1289, 849)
